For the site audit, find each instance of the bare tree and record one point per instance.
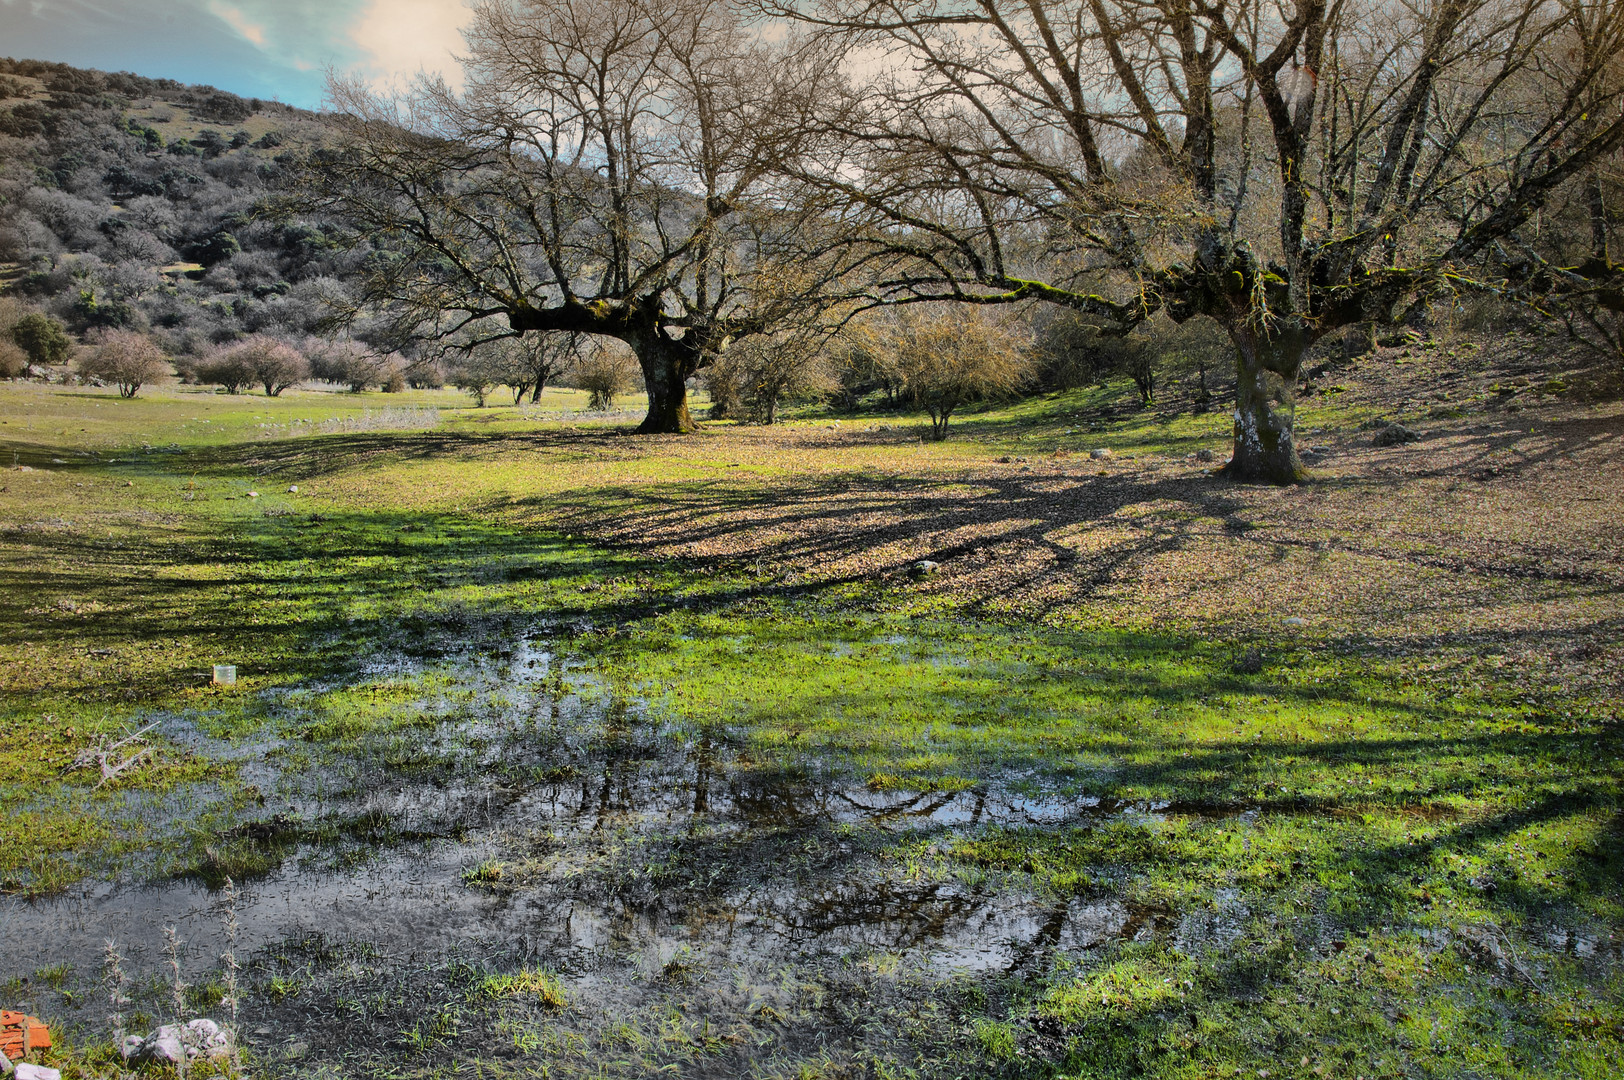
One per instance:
(605, 371)
(352, 363)
(226, 368)
(480, 371)
(275, 364)
(127, 359)
(539, 359)
(792, 365)
(1286, 169)
(613, 169)
(945, 358)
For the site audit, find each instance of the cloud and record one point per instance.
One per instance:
(234, 18)
(399, 38)
(187, 40)
(262, 48)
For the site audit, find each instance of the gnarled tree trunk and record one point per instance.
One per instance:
(1266, 367)
(666, 365)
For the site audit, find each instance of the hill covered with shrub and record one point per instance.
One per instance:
(129, 203)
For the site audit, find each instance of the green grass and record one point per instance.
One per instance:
(1336, 841)
(543, 987)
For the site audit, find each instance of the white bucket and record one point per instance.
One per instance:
(225, 674)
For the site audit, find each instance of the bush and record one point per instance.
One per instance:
(275, 365)
(950, 356)
(223, 108)
(226, 370)
(43, 338)
(605, 371)
(128, 359)
(13, 361)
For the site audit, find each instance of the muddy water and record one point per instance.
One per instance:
(628, 852)
(417, 893)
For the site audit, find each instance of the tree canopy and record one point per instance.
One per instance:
(1286, 169)
(610, 169)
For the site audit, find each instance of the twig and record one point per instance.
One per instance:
(104, 758)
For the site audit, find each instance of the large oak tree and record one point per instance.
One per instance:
(611, 168)
(1287, 168)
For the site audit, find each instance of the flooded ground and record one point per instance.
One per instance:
(502, 860)
(492, 813)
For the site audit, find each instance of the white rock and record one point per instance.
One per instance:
(924, 567)
(294, 490)
(27, 1071)
(1295, 621)
(167, 1045)
(162, 1047)
(5, 1063)
(253, 494)
(1099, 454)
(206, 1039)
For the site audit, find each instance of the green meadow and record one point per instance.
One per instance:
(1336, 852)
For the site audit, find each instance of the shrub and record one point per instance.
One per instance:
(13, 361)
(275, 365)
(126, 358)
(43, 338)
(605, 371)
(225, 369)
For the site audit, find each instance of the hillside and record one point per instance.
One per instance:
(133, 202)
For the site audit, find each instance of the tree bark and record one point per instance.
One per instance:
(666, 366)
(1266, 368)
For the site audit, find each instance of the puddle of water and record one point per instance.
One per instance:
(417, 903)
(402, 895)
(530, 752)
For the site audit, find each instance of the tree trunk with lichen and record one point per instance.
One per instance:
(1266, 369)
(666, 363)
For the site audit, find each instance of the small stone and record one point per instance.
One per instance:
(1293, 620)
(924, 568)
(253, 494)
(28, 1071)
(1205, 455)
(1005, 460)
(294, 490)
(297, 1050)
(5, 1063)
(1099, 454)
(129, 483)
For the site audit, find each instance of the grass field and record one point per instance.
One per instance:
(1310, 782)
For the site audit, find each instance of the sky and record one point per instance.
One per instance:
(279, 49)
